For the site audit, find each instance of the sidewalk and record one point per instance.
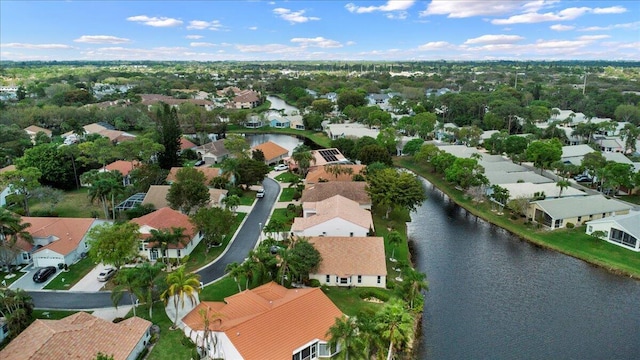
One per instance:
(90, 281)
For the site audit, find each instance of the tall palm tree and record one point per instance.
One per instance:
(231, 202)
(414, 283)
(12, 229)
(166, 238)
(394, 238)
(181, 285)
(127, 282)
(343, 334)
(147, 275)
(562, 184)
(303, 157)
(395, 325)
(236, 270)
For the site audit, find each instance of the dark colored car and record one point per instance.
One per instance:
(43, 274)
(199, 163)
(582, 178)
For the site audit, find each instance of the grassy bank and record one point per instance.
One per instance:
(572, 242)
(320, 138)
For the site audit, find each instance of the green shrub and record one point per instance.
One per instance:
(570, 226)
(314, 283)
(375, 293)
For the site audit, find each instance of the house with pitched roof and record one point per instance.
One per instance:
(213, 152)
(5, 190)
(335, 216)
(350, 261)
(622, 230)
(557, 213)
(268, 322)
(353, 190)
(79, 336)
(157, 196)
(209, 174)
(164, 219)
(124, 167)
(273, 153)
(55, 240)
(345, 172)
(186, 144)
(33, 130)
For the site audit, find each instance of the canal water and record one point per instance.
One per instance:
(494, 296)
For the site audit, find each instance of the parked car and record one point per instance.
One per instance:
(199, 163)
(582, 178)
(43, 274)
(106, 274)
(281, 167)
(260, 193)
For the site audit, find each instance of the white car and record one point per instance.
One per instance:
(260, 193)
(281, 167)
(106, 274)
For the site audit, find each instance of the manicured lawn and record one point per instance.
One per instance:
(287, 177)
(635, 199)
(75, 203)
(287, 194)
(8, 281)
(53, 314)
(349, 301)
(573, 242)
(247, 198)
(77, 271)
(221, 289)
(171, 344)
(198, 257)
(285, 216)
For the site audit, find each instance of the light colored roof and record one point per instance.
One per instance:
(461, 151)
(123, 166)
(501, 177)
(334, 207)
(320, 172)
(346, 256)
(353, 130)
(630, 223)
(8, 168)
(270, 321)
(617, 157)
(563, 208)
(166, 218)
(610, 142)
(506, 166)
(271, 150)
(354, 190)
(157, 196)
(36, 129)
(209, 173)
(576, 150)
(215, 148)
(67, 232)
(78, 336)
(527, 189)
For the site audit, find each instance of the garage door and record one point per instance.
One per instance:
(47, 260)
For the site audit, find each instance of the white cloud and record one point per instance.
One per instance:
(194, 37)
(317, 42)
(390, 6)
(632, 25)
(560, 27)
(562, 15)
(253, 28)
(494, 39)
(593, 37)
(36, 46)
(294, 17)
(202, 44)
(350, 43)
(435, 45)
(155, 21)
(470, 8)
(610, 10)
(101, 39)
(268, 48)
(202, 25)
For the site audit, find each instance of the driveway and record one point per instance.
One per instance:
(26, 281)
(90, 281)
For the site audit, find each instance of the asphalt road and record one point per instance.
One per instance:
(248, 235)
(238, 250)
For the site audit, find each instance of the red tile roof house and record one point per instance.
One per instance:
(79, 336)
(354, 190)
(166, 218)
(350, 261)
(273, 153)
(268, 322)
(125, 168)
(55, 240)
(336, 216)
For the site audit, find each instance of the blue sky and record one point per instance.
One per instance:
(320, 30)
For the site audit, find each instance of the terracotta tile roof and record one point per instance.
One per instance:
(320, 172)
(270, 321)
(36, 129)
(334, 207)
(345, 256)
(116, 135)
(78, 336)
(67, 232)
(166, 218)
(246, 96)
(215, 147)
(186, 144)
(209, 173)
(8, 168)
(223, 92)
(123, 166)
(354, 190)
(271, 150)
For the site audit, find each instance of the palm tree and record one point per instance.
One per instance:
(236, 270)
(127, 282)
(394, 239)
(414, 283)
(231, 202)
(562, 184)
(303, 157)
(166, 238)
(12, 229)
(343, 335)
(181, 285)
(395, 325)
(147, 276)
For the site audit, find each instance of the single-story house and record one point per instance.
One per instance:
(354, 190)
(186, 144)
(619, 230)
(5, 190)
(610, 143)
(165, 219)
(33, 130)
(336, 216)
(157, 196)
(320, 174)
(213, 152)
(124, 167)
(350, 261)
(557, 213)
(56, 240)
(246, 99)
(273, 153)
(528, 190)
(297, 124)
(501, 177)
(103, 129)
(573, 154)
(80, 336)
(349, 130)
(268, 322)
(279, 123)
(209, 174)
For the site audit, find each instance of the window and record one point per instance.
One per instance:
(308, 353)
(379, 279)
(558, 223)
(26, 256)
(579, 218)
(351, 234)
(604, 214)
(623, 238)
(328, 278)
(344, 280)
(179, 253)
(590, 229)
(359, 279)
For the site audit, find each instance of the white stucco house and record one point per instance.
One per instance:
(557, 213)
(336, 216)
(621, 230)
(350, 261)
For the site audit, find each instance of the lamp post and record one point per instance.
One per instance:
(259, 232)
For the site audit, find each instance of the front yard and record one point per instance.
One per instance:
(67, 279)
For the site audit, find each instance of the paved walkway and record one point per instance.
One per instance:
(90, 281)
